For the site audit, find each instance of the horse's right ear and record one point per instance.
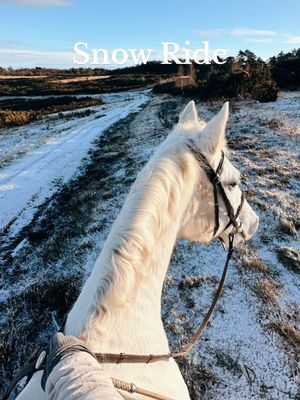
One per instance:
(189, 114)
(212, 138)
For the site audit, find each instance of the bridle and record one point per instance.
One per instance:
(218, 188)
(37, 362)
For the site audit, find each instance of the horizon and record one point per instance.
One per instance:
(42, 33)
(115, 67)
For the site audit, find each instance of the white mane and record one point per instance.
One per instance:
(155, 202)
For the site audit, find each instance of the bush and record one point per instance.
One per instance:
(285, 69)
(15, 118)
(244, 76)
(20, 111)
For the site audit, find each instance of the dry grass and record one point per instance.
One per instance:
(287, 227)
(290, 258)
(169, 281)
(255, 265)
(17, 112)
(275, 123)
(267, 290)
(291, 336)
(225, 360)
(260, 203)
(194, 281)
(198, 378)
(6, 159)
(16, 118)
(80, 79)
(281, 125)
(22, 77)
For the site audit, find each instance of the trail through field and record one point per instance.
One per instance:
(57, 216)
(26, 183)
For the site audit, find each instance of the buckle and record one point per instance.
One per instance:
(149, 359)
(133, 388)
(238, 229)
(121, 357)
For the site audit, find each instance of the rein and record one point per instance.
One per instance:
(37, 364)
(139, 358)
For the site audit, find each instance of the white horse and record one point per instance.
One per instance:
(119, 308)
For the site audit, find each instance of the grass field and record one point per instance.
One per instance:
(65, 85)
(49, 244)
(21, 111)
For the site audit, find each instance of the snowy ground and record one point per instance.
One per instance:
(54, 152)
(56, 212)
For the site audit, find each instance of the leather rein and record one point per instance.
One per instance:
(36, 362)
(218, 188)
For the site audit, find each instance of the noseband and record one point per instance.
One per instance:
(218, 188)
(35, 364)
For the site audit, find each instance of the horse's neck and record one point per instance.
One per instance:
(118, 309)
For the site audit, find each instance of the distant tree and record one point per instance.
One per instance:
(286, 68)
(255, 78)
(244, 76)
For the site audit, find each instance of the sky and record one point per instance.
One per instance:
(43, 32)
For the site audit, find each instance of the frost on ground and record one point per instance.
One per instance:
(251, 348)
(54, 150)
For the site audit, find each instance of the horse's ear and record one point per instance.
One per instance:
(212, 138)
(189, 114)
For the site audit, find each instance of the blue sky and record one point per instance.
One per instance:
(43, 32)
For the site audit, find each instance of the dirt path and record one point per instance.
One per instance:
(247, 350)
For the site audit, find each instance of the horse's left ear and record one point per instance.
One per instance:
(189, 114)
(212, 138)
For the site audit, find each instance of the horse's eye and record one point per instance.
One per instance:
(233, 185)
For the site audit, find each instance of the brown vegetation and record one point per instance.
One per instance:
(19, 112)
(267, 290)
(290, 257)
(291, 339)
(195, 281)
(255, 265)
(198, 377)
(64, 85)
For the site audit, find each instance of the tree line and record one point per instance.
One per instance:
(243, 76)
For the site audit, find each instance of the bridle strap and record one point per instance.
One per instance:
(221, 163)
(213, 177)
(215, 191)
(237, 212)
(216, 208)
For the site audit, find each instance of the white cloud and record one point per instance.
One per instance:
(16, 44)
(258, 40)
(210, 32)
(251, 32)
(38, 3)
(291, 39)
(19, 57)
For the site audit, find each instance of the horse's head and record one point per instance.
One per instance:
(202, 222)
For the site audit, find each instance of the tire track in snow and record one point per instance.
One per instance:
(28, 182)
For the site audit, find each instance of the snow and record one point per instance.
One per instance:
(26, 184)
(239, 328)
(248, 359)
